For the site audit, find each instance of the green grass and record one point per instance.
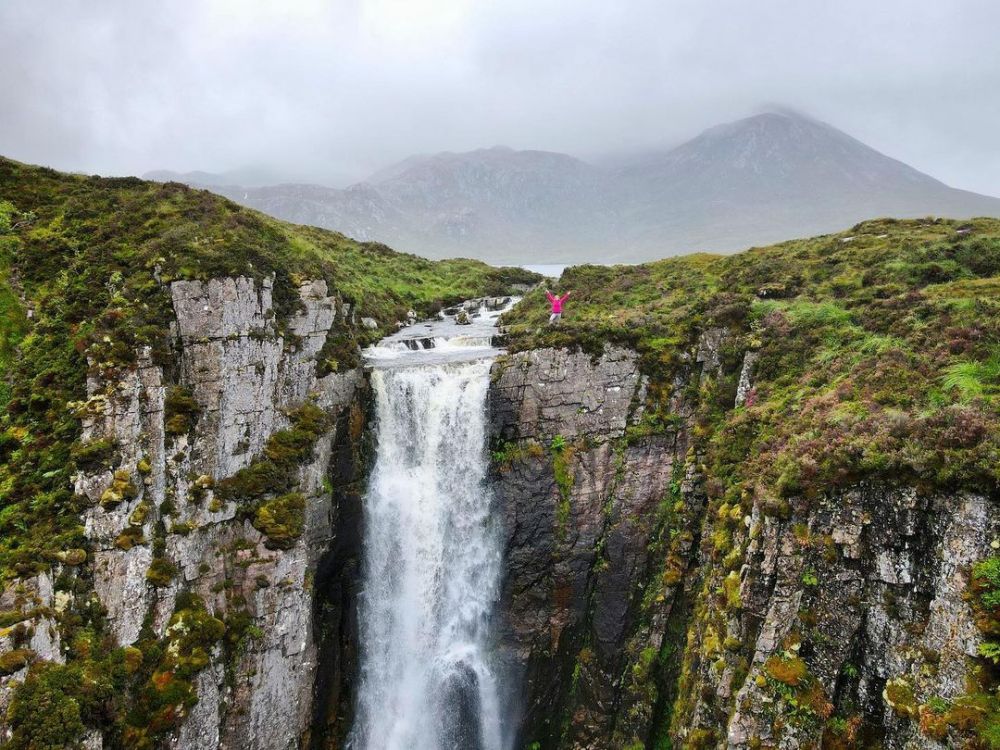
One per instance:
(877, 356)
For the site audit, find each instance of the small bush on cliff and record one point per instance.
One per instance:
(52, 708)
(180, 411)
(281, 520)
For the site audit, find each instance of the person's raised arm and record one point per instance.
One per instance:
(549, 295)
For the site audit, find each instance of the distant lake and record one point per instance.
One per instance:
(553, 270)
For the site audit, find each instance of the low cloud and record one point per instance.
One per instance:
(330, 90)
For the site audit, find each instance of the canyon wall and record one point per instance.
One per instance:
(635, 611)
(158, 526)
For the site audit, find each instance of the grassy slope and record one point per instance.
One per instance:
(879, 352)
(879, 358)
(90, 256)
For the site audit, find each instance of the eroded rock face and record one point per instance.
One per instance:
(584, 516)
(866, 587)
(244, 377)
(634, 610)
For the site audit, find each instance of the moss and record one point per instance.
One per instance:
(161, 572)
(15, 661)
(281, 520)
(731, 589)
(788, 670)
(180, 411)
(898, 695)
(511, 453)
(75, 556)
(273, 472)
(140, 514)
(46, 711)
(129, 538)
(562, 469)
(168, 693)
(183, 528)
(121, 490)
(93, 455)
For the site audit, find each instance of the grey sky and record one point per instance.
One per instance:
(317, 88)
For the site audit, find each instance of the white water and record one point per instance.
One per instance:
(431, 565)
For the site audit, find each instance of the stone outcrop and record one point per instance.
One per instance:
(865, 587)
(584, 510)
(636, 611)
(242, 375)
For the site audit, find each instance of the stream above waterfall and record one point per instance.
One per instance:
(444, 339)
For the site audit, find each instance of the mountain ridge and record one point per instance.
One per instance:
(749, 182)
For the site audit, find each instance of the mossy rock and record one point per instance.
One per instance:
(281, 520)
(122, 489)
(180, 411)
(93, 455)
(129, 538)
(15, 661)
(72, 556)
(162, 572)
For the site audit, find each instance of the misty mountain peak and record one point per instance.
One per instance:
(759, 179)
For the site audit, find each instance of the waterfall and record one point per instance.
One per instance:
(431, 566)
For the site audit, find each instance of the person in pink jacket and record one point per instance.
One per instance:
(557, 306)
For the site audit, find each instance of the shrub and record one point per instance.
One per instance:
(180, 411)
(161, 572)
(281, 520)
(15, 661)
(122, 489)
(45, 712)
(789, 670)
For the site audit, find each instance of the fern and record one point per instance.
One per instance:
(990, 650)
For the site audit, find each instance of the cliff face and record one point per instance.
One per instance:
(158, 524)
(638, 608)
(637, 613)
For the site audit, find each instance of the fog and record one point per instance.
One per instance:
(330, 91)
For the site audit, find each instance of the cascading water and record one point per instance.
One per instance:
(431, 564)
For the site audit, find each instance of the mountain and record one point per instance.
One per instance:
(754, 181)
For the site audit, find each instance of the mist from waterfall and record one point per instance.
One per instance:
(431, 568)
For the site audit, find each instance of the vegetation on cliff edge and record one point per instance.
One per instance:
(877, 352)
(85, 269)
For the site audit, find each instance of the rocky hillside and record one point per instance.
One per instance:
(748, 501)
(759, 180)
(767, 516)
(182, 406)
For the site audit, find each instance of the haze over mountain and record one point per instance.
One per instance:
(758, 180)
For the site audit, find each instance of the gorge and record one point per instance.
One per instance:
(734, 502)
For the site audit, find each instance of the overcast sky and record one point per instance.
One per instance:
(333, 89)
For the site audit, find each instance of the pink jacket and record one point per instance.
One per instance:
(557, 302)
